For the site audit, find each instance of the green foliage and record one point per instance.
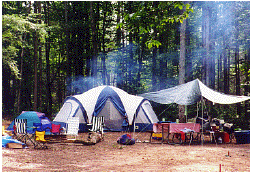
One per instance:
(137, 45)
(14, 29)
(150, 15)
(152, 43)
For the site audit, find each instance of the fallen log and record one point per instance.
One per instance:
(78, 141)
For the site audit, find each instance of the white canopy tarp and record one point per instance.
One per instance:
(220, 98)
(191, 93)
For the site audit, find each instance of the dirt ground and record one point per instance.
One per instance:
(108, 156)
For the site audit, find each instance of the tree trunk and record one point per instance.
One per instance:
(237, 79)
(68, 50)
(155, 50)
(35, 71)
(6, 90)
(47, 49)
(21, 79)
(247, 84)
(226, 69)
(118, 31)
(181, 108)
(219, 73)
(88, 53)
(94, 40)
(120, 76)
(104, 70)
(206, 44)
(40, 61)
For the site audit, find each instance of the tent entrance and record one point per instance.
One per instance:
(142, 121)
(113, 120)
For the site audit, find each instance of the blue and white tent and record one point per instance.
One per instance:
(118, 108)
(33, 117)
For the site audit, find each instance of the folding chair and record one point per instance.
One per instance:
(56, 129)
(73, 126)
(212, 134)
(3, 131)
(20, 130)
(40, 142)
(98, 125)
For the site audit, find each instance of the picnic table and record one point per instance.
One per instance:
(182, 132)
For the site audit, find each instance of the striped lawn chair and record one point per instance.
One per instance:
(20, 131)
(98, 125)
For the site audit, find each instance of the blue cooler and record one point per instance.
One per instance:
(242, 137)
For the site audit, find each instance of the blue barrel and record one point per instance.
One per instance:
(242, 137)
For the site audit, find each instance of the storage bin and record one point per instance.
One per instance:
(157, 136)
(242, 137)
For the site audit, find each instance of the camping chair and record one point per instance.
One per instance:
(212, 134)
(3, 131)
(40, 142)
(20, 130)
(56, 129)
(98, 125)
(73, 126)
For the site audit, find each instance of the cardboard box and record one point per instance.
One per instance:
(14, 145)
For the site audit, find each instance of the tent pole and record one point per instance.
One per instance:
(202, 132)
(185, 112)
(134, 127)
(197, 109)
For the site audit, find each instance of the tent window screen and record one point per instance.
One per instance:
(79, 114)
(112, 117)
(67, 111)
(141, 117)
(150, 113)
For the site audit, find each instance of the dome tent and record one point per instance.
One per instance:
(33, 117)
(118, 108)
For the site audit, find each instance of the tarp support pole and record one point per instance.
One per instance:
(202, 131)
(197, 109)
(185, 113)
(134, 125)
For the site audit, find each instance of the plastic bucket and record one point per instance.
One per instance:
(242, 137)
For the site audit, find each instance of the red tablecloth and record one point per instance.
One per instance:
(175, 127)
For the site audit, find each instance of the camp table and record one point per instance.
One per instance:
(186, 129)
(175, 129)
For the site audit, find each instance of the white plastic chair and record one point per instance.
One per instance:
(73, 126)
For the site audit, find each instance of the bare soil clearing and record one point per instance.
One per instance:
(109, 156)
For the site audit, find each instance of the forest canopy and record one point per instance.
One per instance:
(54, 49)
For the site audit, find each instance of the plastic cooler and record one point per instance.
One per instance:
(242, 137)
(157, 136)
